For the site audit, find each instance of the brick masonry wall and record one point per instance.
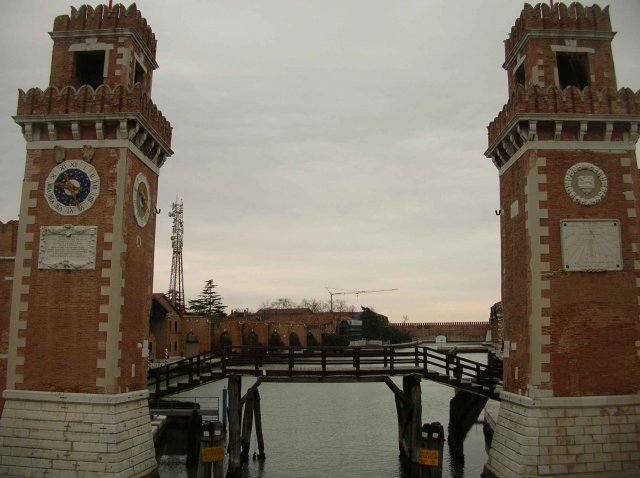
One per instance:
(76, 326)
(200, 327)
(137, 266)
(516, 273)
(594, 315)
(454, 331)
(284, 324)
(8, 242)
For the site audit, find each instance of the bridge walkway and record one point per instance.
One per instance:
(362, 363)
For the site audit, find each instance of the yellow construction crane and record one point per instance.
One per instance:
(350, 292)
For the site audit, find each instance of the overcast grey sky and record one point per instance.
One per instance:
(320, 143)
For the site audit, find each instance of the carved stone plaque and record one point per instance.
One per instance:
(591, 246)
(67, 247)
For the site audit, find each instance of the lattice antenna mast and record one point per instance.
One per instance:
(176, 282)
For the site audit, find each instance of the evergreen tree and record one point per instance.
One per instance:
(209, 302)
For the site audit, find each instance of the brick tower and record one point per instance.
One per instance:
(76, 395)
(564, 146)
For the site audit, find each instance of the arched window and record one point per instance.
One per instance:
(294, 340)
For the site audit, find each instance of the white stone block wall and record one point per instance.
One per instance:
(76, 435)
(586, 436)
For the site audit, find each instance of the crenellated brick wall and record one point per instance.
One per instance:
(103, 100)
(104, 18)
(553, 100)
(454, 331)
(558, 17)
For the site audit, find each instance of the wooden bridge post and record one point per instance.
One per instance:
(409, 410)
(258, 418)
(157, 373)
(464, 409)
(392, 352)
(235, 414)
(247, 423)
(290, 360)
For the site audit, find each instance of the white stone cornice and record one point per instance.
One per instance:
(51, 126)
(558, 130)
(515, 128)
(567, 146)
(633, 131)
(98, 120)
(583, 130)
(533, 118)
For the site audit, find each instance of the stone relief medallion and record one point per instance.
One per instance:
(585, 184)
(141, 199)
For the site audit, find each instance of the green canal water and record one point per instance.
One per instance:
(333, 430)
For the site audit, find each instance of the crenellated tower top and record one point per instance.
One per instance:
(562, 83)
(574, 18)
(87, 18)
(103, 45)
(101, 75)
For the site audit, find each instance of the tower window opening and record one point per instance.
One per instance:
(573, 70)
(519, 75)
(89, 68)
(139, 74)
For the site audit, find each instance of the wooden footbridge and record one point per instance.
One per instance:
(474, 382)
(362, 363)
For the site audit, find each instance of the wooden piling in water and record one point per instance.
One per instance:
(235, 413)
(464, 409)
(247, 423)
(258, 418)
(409, 411)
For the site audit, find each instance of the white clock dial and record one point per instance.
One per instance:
(141, 199)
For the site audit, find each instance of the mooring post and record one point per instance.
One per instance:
(211, 452)
(247, 424)
(431, 443)
(217, 440)
(235, 413)
(258, 418)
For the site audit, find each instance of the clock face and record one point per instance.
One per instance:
(72, 187)
(141, 199)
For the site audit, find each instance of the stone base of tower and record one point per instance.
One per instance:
(76, 434)
(568, 437)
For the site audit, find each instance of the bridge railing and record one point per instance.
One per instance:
(361, 359)
(207, 407)
(164, 375)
